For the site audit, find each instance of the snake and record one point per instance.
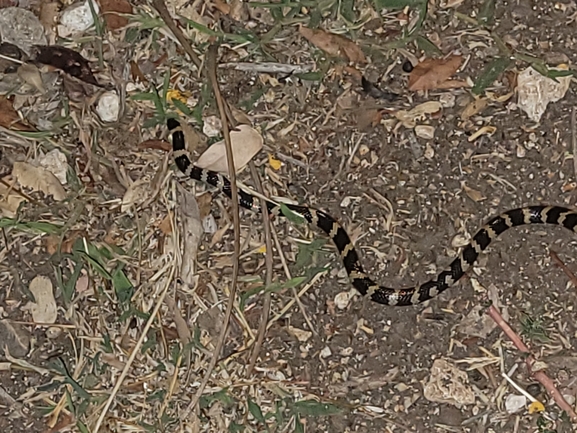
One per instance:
(465, 260)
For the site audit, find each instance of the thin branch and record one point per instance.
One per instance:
(135, 351)
(160, 6)
(540, 375)
(211, 66)
(563, 267)
(268, 279)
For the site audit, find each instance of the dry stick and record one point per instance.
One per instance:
(135, 351)
(268, 261)
(289, 276)
(165, 15)
(563, 267)
(574, 142)
(540, 375)
(211, 66)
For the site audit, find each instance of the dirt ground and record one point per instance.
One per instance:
(119, 244)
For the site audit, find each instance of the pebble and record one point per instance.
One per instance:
(77, 19)
(514, 403)
(108, 107)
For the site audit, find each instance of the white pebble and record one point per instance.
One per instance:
(342, 299)
(447, 100)
(108, 107)
(212, 126)
(326, 352)
(514, 403)
(77, 19)
(425, 131)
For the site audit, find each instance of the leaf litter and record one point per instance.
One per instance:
(131, 241)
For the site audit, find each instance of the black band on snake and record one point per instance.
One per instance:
(554, 215)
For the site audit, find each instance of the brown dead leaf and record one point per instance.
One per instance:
(246, 143)
(221, 6)
(38, 179)
(165, 225)
(49, 14)
(335, 45)
(52, 242)
(156, 145)
(9, 117)
(433, 73)
(368, 118)
(111, 9)
(204, 205)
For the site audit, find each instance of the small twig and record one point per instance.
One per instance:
(540, 375)
(296, 296)
(167, 18)
(269, 67)
(269, 270)
(135, 351)
(563, 267)
(211, 66)
(574, 139)
(17, 191)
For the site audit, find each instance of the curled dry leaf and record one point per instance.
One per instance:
(43, 310)
(474, 107)
(335, 45)
(409, 118)
(38, 179)
(473, 194)
(433, 73)
(485, 130)
(246, 143)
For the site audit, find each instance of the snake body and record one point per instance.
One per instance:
(539, 214)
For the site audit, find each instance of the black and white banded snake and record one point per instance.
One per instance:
(538, 214)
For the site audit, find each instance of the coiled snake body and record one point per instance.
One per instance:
(554, 215)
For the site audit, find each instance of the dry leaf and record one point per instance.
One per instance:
(38, 179)
(432, 73)
(192, 226)
(335, 45)
(111, 10)
(49, 14)
(536, 91)
(31, 75)
(474, 107)
(137, 193)
(473, 194)
(9, 117)
(246, 143)
(409, 118)
(9, 201)
(156, 145)
(165, 225)
(43, 310)
(485, 130)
